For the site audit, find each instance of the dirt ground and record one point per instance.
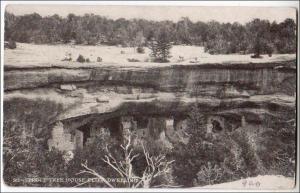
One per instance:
(30, 55)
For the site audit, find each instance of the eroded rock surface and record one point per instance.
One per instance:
(255, 92)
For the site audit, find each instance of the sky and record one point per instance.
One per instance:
(174, 13)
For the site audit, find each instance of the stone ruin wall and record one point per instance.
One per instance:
(165, 131)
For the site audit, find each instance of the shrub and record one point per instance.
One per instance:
(209, 175)
(87, 60)
(269, 49)
(80, 59)
(25, 130)
(133, 60)
(32, 114)
(159, 60)
(140, 50)
(27, 158)
(279, 142)
(256, 56)
(68, 57)
(199, 151)
(92, 154)
(11, 44)
(99, 59)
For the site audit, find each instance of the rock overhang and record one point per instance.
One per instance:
(171, 89)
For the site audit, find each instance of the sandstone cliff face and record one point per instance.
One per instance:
(262, 78)
(100, 90)
(90, 95)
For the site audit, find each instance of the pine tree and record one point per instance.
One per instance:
(152, 45)
(163, 46)
(160, 47)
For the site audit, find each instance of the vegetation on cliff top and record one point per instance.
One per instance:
(257, 36)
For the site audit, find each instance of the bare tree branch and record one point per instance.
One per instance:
(156, 166)
(107, 160)
(94, 173)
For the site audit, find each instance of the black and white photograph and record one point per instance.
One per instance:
(166, 97)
